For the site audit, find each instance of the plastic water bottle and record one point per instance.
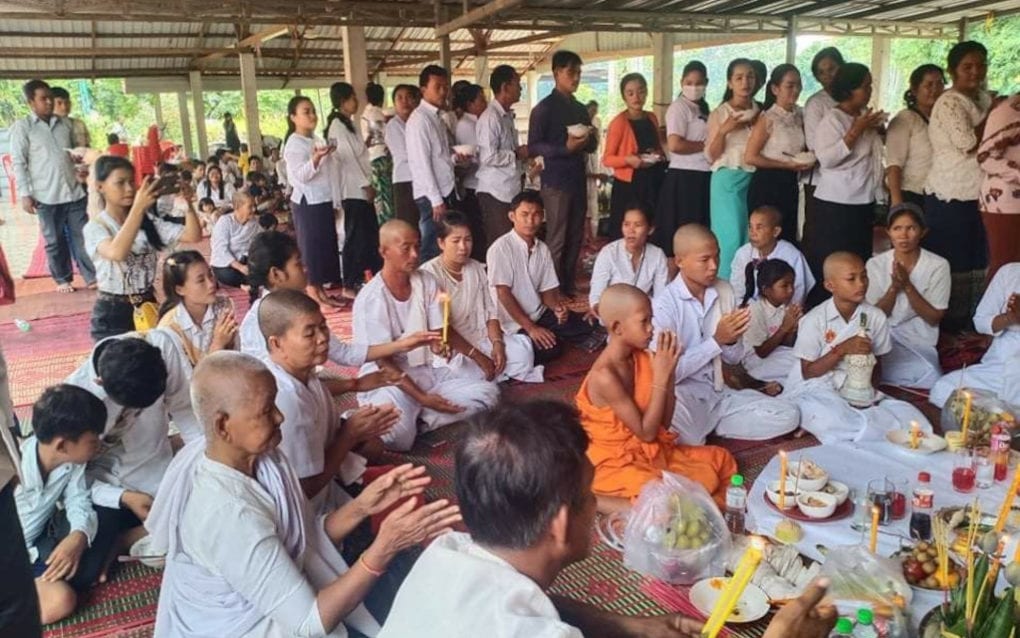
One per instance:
(844, 629)
(865, 627)
(22, 325)
(736, 504)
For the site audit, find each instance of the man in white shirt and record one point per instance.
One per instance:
(524, 285)
(141, 381)
(319, 445)
(701, 310)
(403, 300)
(524, 482)
(499, 153)
(429, 157)
(405, 100)
(246, 557)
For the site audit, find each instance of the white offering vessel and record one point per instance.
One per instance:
(857, 388)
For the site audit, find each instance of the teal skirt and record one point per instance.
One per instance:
(728, 201)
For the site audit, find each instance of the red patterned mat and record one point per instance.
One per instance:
(126, 603)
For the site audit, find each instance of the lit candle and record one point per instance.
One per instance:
(1007, 503)
(873, 543)
(734, 589)
(782, 480)
(968, 400)
(444, 299)
(915, 435)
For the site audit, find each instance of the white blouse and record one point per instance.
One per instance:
(684, 118)
(848, 175)
(736, 141)
(931, 278)
(137, 272)
(351, 157)
(471, 304)
(316, 184)
(955, 173)
(786, 133)
(907, 145)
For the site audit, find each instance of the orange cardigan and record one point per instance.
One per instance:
(620, 143)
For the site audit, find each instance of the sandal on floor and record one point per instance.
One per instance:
(65, 288)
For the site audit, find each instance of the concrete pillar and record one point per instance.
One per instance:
(662, 74)
(445, 57)
(964, 24)
(881, 46)
(195, 79)
(157, 105)
(482, 70)
(532, 77)
(791, 40)
(182, 106)
(250, 93)
(356, 61)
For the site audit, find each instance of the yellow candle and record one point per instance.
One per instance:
(445, 300)
(968, 400)
(915, 435)
(782, 480)
(1007, 503)
(873, 543)
(1016, 554)
(734, 589)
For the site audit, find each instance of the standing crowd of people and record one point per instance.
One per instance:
(218, 444)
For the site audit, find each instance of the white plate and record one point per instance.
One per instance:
(752, 605)
(929, 443)
(141, 548)
(650, 158)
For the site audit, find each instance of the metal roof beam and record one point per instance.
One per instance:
(474, 16)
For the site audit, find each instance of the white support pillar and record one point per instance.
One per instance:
(791, 40)
(881, 47)
(197, 100)
(481, 70)
(356, 61)
(182, 106)
(250, 93)
(964, 24)
(157, 105)
(662, 74)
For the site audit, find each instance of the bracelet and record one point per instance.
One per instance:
(368, 568)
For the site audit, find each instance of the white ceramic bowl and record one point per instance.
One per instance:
(464, 149)
(752, 604)
(807, 484)
(840, 490)
(772, 491)
(805, 157)
(578, 130)
(808, 504)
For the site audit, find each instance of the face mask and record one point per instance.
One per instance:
(693, 92)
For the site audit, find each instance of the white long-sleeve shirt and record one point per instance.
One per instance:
(397, 143)
(803, 280)
(42, 167)
(466, 133)
(37, 498)
(231, 240)
(814, 110)
(316, 184)
(352, 158)
(848, 175)
(428, 154)
(499, 172)
(613, 265)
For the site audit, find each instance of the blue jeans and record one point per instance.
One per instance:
(61, 226)
(427, 226)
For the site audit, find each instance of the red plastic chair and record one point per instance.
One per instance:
(8, 162)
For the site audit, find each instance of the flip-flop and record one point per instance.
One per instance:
(65, 288)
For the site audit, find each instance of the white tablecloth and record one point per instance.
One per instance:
(855, 464)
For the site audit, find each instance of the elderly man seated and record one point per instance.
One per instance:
(403, 300)
(244, 555)
(524, 485)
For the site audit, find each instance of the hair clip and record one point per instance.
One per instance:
(171, 261)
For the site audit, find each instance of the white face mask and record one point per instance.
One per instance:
(693, 92)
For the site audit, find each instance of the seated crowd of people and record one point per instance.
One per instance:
(221, 443)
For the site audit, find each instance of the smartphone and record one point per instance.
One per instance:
(169, 184)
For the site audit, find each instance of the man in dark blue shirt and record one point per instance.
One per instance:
(564, 190)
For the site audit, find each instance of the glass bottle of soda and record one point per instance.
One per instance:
(923, 500)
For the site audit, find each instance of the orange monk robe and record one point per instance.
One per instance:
(624, 463)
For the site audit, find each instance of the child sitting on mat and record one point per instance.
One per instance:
(772, 330)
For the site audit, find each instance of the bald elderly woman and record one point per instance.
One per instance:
(244, 555)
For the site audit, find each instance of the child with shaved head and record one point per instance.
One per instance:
(844, 325)
(626, 404)
(702, 310)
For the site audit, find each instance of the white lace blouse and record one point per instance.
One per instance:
(786, 133)
(954, 170)
(736, 140)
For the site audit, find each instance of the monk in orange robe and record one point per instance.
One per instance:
(626, 404)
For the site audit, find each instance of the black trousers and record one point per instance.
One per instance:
(777, 187)
(361, 242)
(574, 330)
(92, 560)
(19, 604)
(112, 316)
(230, 276)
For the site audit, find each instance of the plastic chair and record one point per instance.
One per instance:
(8, 163)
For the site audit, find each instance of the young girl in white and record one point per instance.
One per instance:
(911, 286)
(772, 329)
(493, 354)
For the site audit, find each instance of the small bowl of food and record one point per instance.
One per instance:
(464, 149)
(772, 490)
(805, 157)
(812, 476)
(840, 490)
(816, 504)
(578, 130)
